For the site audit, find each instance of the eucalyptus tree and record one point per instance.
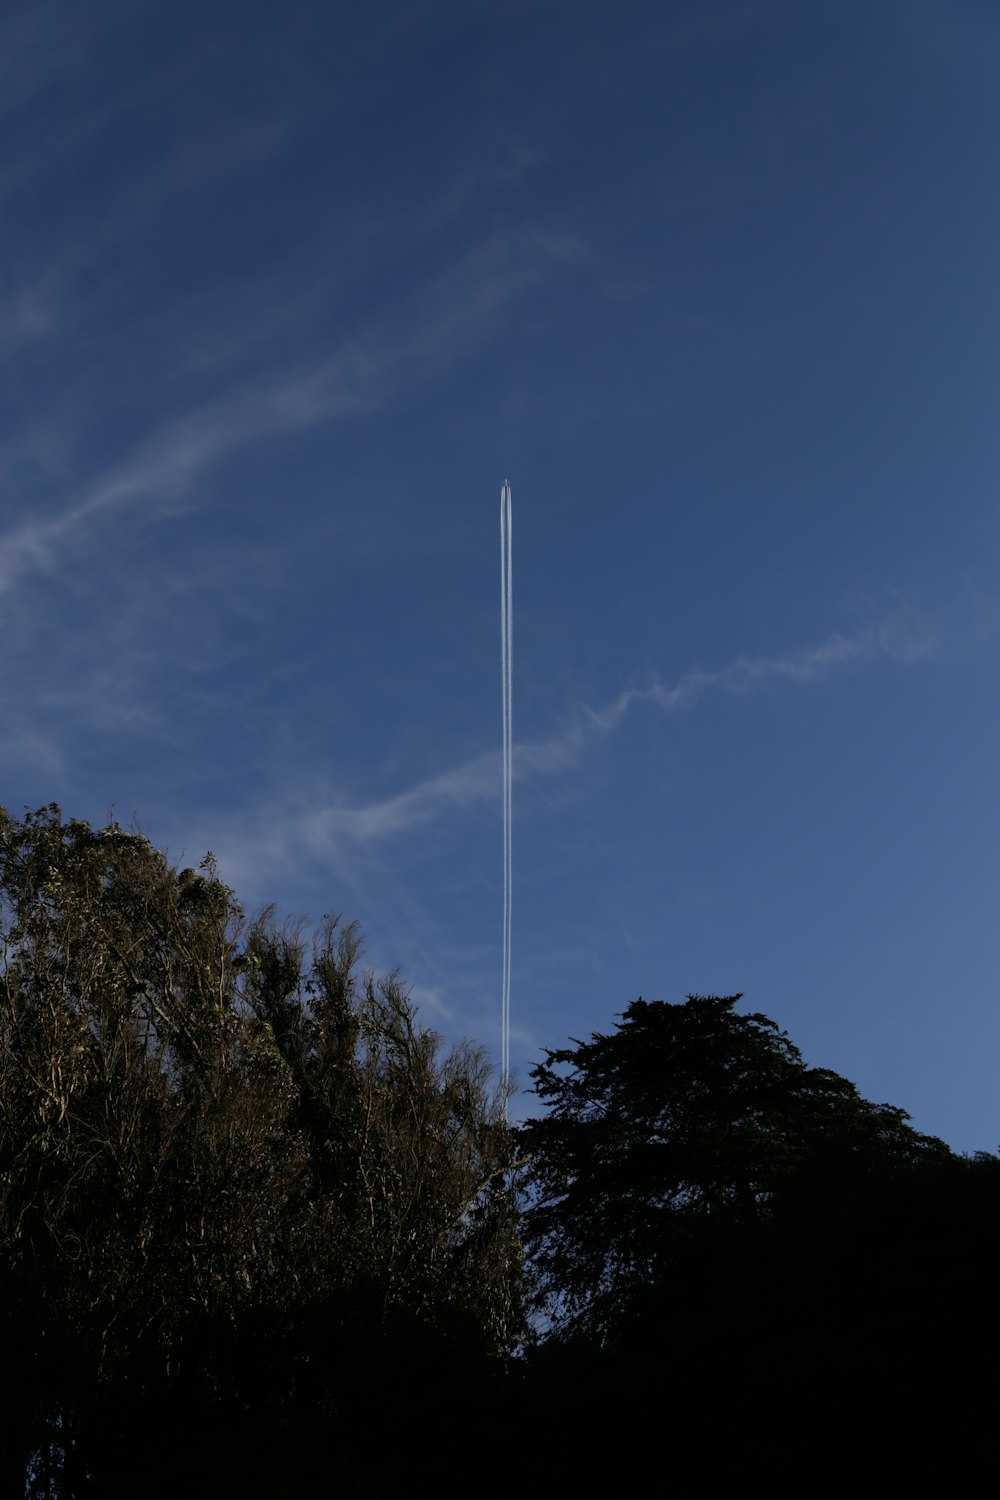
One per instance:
(228, 1157)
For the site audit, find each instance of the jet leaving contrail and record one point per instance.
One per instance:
(506, 664)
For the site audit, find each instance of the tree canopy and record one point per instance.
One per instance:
(261, 1233)
(687, 1125)
(212, 1136)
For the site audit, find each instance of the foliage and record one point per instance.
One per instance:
(671, 1139)
(223, 1160)
(253, 1218)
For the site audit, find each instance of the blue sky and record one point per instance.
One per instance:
(287, 292)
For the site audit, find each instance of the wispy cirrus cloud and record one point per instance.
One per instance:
(900, 637)
(336, 833)
(437, 328)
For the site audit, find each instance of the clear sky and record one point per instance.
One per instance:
(287, 292)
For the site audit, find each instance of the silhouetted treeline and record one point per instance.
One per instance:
(260, 1235)
(755, 1278)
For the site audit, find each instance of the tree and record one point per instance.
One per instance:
(227, 1165)
(673, 1139)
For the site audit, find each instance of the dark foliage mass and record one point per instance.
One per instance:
(261, 1235)
(759, 1276)
(230, 1175)
(688, 1123)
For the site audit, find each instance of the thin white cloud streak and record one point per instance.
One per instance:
(901, 638)
(343, 831)
(163, 469)
(444, 325)
(461, 787)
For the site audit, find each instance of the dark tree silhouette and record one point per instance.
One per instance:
(229, 1170)
(749, 1273)
(683, 1127)
(258, 1232)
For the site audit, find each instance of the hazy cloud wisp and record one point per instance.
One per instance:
(341, 829)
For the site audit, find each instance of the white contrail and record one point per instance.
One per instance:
(506, 667)
(510, 765)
